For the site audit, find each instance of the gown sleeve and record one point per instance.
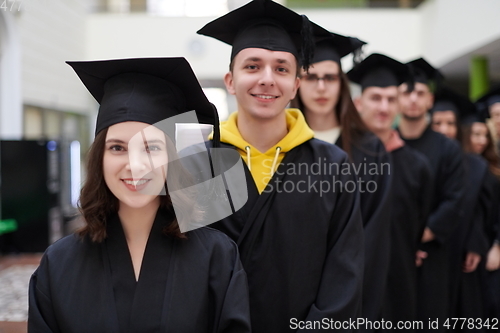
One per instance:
(376, 214)
(426, 192)
(496, 211)
(491, 193)
(41, 316)
(339, 293)
(477, 240)
(232, 295)
(442, 220)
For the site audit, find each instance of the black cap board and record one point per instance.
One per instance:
(335, 47)
(424, 72)
(464, 109)
(147, 90)
(378, 70)
(268, 25)
(490, 98)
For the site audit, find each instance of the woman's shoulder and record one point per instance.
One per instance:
(475, 159)
(324, 149)
(370, 141)
(210, 236)
(447, 145)
(69, 247)
(367, 147)
(65, 257)
(211, 240)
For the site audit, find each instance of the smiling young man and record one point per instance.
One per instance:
(300, 233)
(379, 77)
(264, 82)
(445, 159)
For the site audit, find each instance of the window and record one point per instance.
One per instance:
(174, 8)
(353, 3)
(218, 97)
(187, 7)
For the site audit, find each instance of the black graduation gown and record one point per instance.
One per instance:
(469, 236)
(193, 285)
(491, 280)
(368, 151)
(302, 249)
(411, 200)
(445, 158)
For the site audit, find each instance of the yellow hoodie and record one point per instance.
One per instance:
(263, 165)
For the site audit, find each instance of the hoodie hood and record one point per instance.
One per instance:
(262, 165)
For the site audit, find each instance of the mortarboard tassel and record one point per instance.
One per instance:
(438, 82)
(410, 82)
(217, 189)
(357, 56)
(216, 136)
(308, 44)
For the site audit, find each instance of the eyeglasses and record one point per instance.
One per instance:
(313, 78)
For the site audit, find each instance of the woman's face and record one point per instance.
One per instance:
(495, 116)
(478, 137)
(445, 122)
(320, 88)
(135, 163)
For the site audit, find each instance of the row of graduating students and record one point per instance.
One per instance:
(287, 258)
(443, 251)
(475, 242)
(458, 256)
(444, 194)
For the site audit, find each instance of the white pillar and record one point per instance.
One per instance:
(11, 106)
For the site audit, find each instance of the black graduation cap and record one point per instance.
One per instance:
(268, 25)
(378, 70)
(423, 72)
(490, 98)
(335, 47)
(465, 111)
(148, 90)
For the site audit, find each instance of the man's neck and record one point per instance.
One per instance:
(321, 122)
(412, 128)
(262, 133)
(384, 136)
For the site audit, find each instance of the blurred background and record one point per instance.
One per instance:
(47, 116)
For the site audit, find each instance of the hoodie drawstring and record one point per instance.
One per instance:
(278, 149)
(275, 160)
(247, 148)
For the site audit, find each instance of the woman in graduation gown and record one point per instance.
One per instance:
(490, 104)
(326, 102)
(477, 139)
(132, 268)
(469, 241)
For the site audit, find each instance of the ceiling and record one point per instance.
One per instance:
(458, 69)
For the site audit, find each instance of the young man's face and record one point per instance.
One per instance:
(414, 105)
(263, 82)
(378, 107)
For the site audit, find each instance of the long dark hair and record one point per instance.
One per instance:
(345, 111)
(489, 154)
(97, 202)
